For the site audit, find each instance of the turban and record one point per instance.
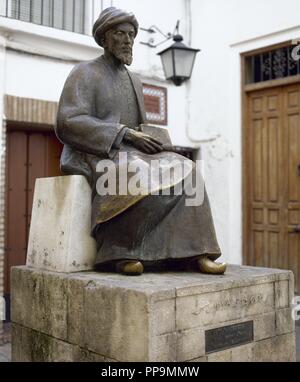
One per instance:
(109, 18)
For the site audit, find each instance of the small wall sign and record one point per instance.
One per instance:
(156, 104)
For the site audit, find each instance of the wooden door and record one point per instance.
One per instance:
(291, 123)
(272, 179)
(29, 155)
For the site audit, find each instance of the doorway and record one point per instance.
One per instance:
(272, 178)
(30, 154)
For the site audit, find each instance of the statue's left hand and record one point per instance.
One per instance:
(143, 142)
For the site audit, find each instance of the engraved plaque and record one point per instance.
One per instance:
(227, 337)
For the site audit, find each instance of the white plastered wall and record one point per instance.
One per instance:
(224, 30)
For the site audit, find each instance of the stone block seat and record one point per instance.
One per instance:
(59, 238)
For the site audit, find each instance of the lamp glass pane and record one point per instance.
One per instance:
(184, 61)
(167, 61)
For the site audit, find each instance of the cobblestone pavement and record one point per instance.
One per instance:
(5, 350)
(5, 353)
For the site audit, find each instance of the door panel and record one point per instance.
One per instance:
(36, 168)
(30, 155)
(15, 220)
(292, 145)
(273, 175)
(54, 149)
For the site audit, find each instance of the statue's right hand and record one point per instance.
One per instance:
(143, 142)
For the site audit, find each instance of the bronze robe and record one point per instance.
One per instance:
(91, 123)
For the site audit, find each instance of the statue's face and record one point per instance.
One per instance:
(119, 41)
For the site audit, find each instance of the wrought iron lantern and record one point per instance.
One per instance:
(178, 61)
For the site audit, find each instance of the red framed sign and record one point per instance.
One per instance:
(156, 104)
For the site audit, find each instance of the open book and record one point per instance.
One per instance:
(158, 133)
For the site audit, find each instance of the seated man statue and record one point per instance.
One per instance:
(101, 116)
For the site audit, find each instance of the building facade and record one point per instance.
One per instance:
(239, 113)
(247, 90)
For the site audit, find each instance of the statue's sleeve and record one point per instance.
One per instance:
(76, 124)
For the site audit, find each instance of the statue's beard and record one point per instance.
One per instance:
(125, 58)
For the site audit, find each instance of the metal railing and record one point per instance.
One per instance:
(71, 15)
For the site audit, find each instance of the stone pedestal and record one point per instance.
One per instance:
(244, 315)
(60, 232)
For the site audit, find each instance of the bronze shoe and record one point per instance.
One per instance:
(130, 267)
(205, 265)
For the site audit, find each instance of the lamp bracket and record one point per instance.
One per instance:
(154, 29)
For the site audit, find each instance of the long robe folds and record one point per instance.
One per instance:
(98, 103)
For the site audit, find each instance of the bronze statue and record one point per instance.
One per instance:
(101, 114)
